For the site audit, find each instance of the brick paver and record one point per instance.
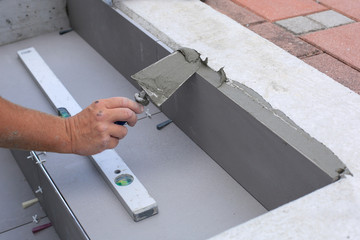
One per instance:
(342, 42)
(337, 70)
(284, 39)
(300, 25)
(280, 9)
(234, 11)
(330, 18)
(350, 8)
(333, 51)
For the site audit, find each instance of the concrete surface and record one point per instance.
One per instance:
(235, 12)
(339, 71)
(289, 85)
(21, 19)
(16, 222)
(284, 39)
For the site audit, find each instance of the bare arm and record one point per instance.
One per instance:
(89, 132)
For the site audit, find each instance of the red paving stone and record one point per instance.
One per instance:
(341, 42)
(234, 11)
(350, 8)
(337, 70)
(274, 10)
(284, 39)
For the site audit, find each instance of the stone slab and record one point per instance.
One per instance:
(330, 18)
(341, 42)
(337, 70)
(350, 8)
(234, 11)
(281, 9)
(285, 39)
(300, 25)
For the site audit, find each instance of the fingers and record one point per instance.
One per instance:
(123, 114)
(121, 102)
(118, 132)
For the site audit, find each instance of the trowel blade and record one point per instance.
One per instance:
(161, 79)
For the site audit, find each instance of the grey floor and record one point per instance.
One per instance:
(16, 223)
(197, 199)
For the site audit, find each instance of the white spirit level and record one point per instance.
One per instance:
(132, 194)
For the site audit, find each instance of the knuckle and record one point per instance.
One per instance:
(101, 128)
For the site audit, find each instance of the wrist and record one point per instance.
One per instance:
(69, 135)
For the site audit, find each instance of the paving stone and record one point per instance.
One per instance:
(341, 42)
(234, 11)
(337, 70)
(300, 25)
(275, 10)
(350, 8)
(330, 18)
(285, 39)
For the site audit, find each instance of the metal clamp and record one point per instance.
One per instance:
(35, 218)
(39, 190)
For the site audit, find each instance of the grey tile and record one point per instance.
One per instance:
(14, 190)
(330, 18)
(193, 192)
(24, 232)
(300, 25)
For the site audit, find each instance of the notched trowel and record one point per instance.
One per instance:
(161, 79)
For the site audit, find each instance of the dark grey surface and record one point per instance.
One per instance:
(272, 161)
(264, 164)
(14, 190)
(133, 50)
(24, 232)
(197, 198)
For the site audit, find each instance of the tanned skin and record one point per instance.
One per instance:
(89, 132)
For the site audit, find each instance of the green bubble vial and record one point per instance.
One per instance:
(124, 180)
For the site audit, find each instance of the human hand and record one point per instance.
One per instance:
(93, 130)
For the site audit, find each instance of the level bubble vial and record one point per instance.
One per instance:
(124, 180)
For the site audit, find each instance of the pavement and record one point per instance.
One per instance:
(325, 34)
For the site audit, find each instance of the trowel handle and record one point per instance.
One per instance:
(63, 112)
(122, 123)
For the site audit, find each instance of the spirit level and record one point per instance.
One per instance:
(132, 194)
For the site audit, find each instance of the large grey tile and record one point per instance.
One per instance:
(13, 191)
(24, 232)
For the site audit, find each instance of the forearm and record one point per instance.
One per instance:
(27, 129)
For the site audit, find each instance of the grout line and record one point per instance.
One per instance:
(255, 23)
(21, 225)
(338, 11)
(332, 55)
